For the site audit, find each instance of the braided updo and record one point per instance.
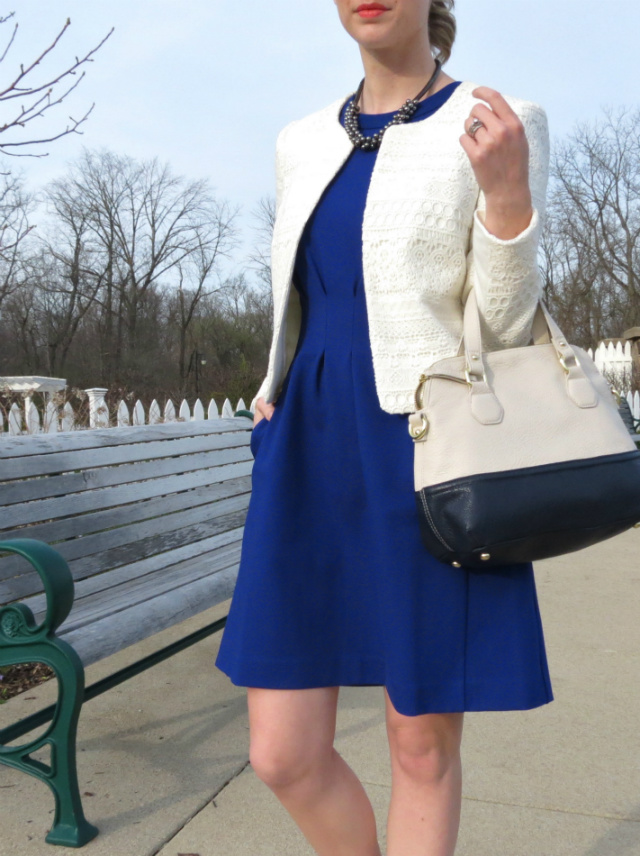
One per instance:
(442, 28)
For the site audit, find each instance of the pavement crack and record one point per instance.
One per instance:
(604, 815)
(196, 811)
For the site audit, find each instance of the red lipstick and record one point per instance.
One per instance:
(371, 10)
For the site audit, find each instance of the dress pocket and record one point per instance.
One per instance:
(256, 434)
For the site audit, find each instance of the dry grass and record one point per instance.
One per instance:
(19, 678)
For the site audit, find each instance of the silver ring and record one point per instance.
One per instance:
(473, 127)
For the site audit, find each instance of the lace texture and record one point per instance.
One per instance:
(424, 242)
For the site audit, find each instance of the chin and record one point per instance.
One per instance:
(374, 36)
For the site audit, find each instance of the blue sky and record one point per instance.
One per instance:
(207, 84)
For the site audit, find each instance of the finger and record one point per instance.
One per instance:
(497, 128)
(265, 408)
(481, 137)
(474, 137)
(469, 145)
(489, 119)
(497, 101)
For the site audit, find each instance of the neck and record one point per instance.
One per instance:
(393, 77)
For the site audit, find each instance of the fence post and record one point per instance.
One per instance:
(98, 412)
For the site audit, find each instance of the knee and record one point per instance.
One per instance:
(424, 755)
(280, 766)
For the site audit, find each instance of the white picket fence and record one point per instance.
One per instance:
(634, 403)
(614, 361)
(54, 419)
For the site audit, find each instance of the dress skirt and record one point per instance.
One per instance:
(335, 586)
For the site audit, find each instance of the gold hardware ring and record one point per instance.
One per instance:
(468, 377)
(418, 392)
(420, 432)
(562, 362)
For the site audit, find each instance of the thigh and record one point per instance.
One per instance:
(423, 733)
(287, 725)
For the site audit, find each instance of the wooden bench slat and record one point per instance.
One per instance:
(117, 632)
(133, 592)
(86, 588)
(106, 456)
(101, 550)
(95, 521)
(96, 438)
(29, 583)
(69, 485)
(101, 498)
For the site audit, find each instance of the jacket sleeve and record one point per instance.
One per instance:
(505, 273)
(279, 176)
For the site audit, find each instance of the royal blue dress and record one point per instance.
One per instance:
(335, 586)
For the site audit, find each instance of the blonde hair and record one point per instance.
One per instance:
(442, 28)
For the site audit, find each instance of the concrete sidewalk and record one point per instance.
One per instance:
(163, 758)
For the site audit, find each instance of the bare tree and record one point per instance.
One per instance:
(68, 277)
(592, 240)
(15, 207)
(33, 100)
(193, 275)
(21, 327)
(146, 229)
(260, 258)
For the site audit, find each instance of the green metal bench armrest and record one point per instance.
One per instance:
(17, 624)
(21, 640)
(246, 413)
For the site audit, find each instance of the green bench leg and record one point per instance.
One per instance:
(22, 641)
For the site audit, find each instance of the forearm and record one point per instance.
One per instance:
(502, 260)
(506, 219)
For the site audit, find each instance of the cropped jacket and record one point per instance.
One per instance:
(424, 242)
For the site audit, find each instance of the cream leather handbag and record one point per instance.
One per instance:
(520, 453)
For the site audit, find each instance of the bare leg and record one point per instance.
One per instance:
(426, 787)
(291, 750)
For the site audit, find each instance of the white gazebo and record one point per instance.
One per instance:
(30, 384)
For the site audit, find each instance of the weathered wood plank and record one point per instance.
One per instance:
(85, 524)
(68, 484)
(105, 456)
(86, 588)
(119, 631)
(134, 592)
(91, 500)
(96, 438)
(97, 552)
(27, 584)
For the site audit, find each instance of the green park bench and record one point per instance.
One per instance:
(108, 536)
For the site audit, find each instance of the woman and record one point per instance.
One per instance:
(377, 243)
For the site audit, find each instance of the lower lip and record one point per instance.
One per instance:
(371, 13)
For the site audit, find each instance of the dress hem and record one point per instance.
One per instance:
(470, 698)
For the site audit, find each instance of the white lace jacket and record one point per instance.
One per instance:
(424, 243)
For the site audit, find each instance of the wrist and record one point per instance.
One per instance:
(506, 219)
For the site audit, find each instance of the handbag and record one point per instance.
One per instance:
(520, 453)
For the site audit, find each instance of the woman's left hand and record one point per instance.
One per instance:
(499, 156)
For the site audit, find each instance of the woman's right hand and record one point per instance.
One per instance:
(263, 410)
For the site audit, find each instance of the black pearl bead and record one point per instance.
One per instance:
(405, 112)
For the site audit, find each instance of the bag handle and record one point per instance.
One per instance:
(544, 331)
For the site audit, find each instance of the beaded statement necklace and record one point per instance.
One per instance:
(403, 115)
